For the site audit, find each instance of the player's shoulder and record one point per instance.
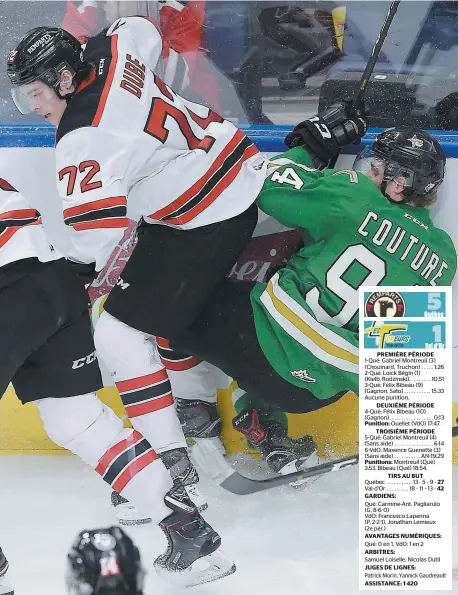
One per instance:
(134, 26)
(5, 186)
(8, 191)
(443, 238)
(86, 104)
(352, 189)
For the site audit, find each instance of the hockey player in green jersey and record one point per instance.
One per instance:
(293, 342)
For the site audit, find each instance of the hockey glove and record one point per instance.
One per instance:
(86, 272)
(324, 135)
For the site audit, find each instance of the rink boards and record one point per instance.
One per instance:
(27, 161)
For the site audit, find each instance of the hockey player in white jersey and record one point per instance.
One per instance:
(5, 586)
(47, 353)
(128, 146)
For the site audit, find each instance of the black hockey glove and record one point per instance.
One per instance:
(85, 272)
(325, 134)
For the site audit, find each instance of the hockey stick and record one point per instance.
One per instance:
(234, 482)
(371, 63)
(374, 56)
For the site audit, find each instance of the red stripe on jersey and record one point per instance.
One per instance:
(197, 186)
(101, 223)
(114, 452)
(164, 343)
(6, 235)
(4, 185)
(103, 203)
(180, 365)
(88, 81)
(141, 381)
(19, 214)
(137, 465)
(108, 82)
(149, 406)
(217, 190)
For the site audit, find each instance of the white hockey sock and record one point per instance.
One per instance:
(121, 456)
(133, 361)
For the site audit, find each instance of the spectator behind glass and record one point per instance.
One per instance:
(186, 67)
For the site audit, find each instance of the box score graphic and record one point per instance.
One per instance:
(386, 334)
(405, 406)
(410, 303)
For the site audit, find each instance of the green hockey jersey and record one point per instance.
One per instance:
(307, 316)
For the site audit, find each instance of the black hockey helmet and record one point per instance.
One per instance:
(104, 562)
(42, 54)
(410, 154)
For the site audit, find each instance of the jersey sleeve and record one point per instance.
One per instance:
(300, 196)
(140, 35)
(448, 253)
(90, 173)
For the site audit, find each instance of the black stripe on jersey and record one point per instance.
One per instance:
(227, 165)
(82, 107)
(172, 355)
(98, 214)
(144, 394)
(123, 460)
(5, 223)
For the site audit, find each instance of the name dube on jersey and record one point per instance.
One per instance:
(128, 146)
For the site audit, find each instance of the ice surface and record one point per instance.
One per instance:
(283, 541)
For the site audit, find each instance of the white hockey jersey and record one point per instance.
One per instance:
(21, 230)
(128, 145)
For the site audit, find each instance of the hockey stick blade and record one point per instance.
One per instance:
(238, 484)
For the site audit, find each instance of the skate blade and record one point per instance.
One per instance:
(133, 522)
(129, 516)
(204, 570)
(311, 461)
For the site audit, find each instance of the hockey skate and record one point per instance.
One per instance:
(199, 419)
(181, 470)
(5, 586)
(126, 513)
(191, 557)
(201, 425)
(282, 454)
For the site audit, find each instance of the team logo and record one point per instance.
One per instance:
(385, 335)
(302, 375)
(383, 304)
(417, 143)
